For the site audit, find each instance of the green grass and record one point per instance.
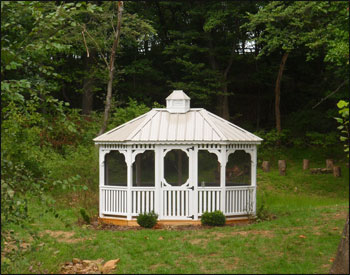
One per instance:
(311, 206)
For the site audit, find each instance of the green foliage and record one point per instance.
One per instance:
(263, 212)
(272, 137)
(131, 111)
(289, 25)
(287, 138)
(84, 215)
(321, 139)
(147, 220)
(343, 107)
(216, 218)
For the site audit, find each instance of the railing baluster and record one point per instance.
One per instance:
(209, 201)
(173, 203)
(147, 201)
(177, 202)
(143, 202)
(183, 203)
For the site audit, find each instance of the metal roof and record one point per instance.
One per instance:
(196, 125)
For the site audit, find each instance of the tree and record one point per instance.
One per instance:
(98, 32)
(286, 26)
(196, 46)
(116, 35)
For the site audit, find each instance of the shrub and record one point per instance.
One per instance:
(216, 218)
(85, 215)
(147, 220)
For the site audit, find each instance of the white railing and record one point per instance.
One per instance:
(209, 199)
(142, 200)
(239, 200)
(113, 200)
(176, 203)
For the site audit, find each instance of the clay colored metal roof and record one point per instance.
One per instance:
(194, 126)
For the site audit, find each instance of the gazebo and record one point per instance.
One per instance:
(178, 162)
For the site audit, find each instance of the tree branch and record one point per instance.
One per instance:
(332, 93)
(98, 47)
(87, 49)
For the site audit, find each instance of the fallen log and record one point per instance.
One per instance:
(321, 171)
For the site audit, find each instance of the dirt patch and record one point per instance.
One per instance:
(95, 225)
(201, 242)
(230, 264)
(63, 236)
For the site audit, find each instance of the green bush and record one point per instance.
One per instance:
(216, 218)
(85, 215)
(147, 220)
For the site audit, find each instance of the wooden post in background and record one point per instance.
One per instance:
(329, 164)
(336, 171)
(282, 167)
(306, 163)
(265, 166)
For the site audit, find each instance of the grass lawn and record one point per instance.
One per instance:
(310, 215)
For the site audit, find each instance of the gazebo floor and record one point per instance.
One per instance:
(123, 222)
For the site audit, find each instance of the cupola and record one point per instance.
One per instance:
(178, 102)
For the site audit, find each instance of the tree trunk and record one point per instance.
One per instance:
(111, 70)
(282, 167)
(329, 164)
(88, 84)
(87, 100)
(306, 163)
(336, 171)
(341, 262)
(265, 166)
(224, 101)
(278, 92)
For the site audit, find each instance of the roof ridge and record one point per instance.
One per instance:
(122, 125)
(204, 113)
(150, 115)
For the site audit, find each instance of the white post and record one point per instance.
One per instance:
(253, 176)
(161, 175)
(195, 181)
(128, 159)
(223, 162)
(101, 180)
(157, 178)
(102, 154)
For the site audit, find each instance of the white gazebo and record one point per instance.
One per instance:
(178, 162)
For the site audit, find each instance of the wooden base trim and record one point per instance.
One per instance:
(123, 222)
